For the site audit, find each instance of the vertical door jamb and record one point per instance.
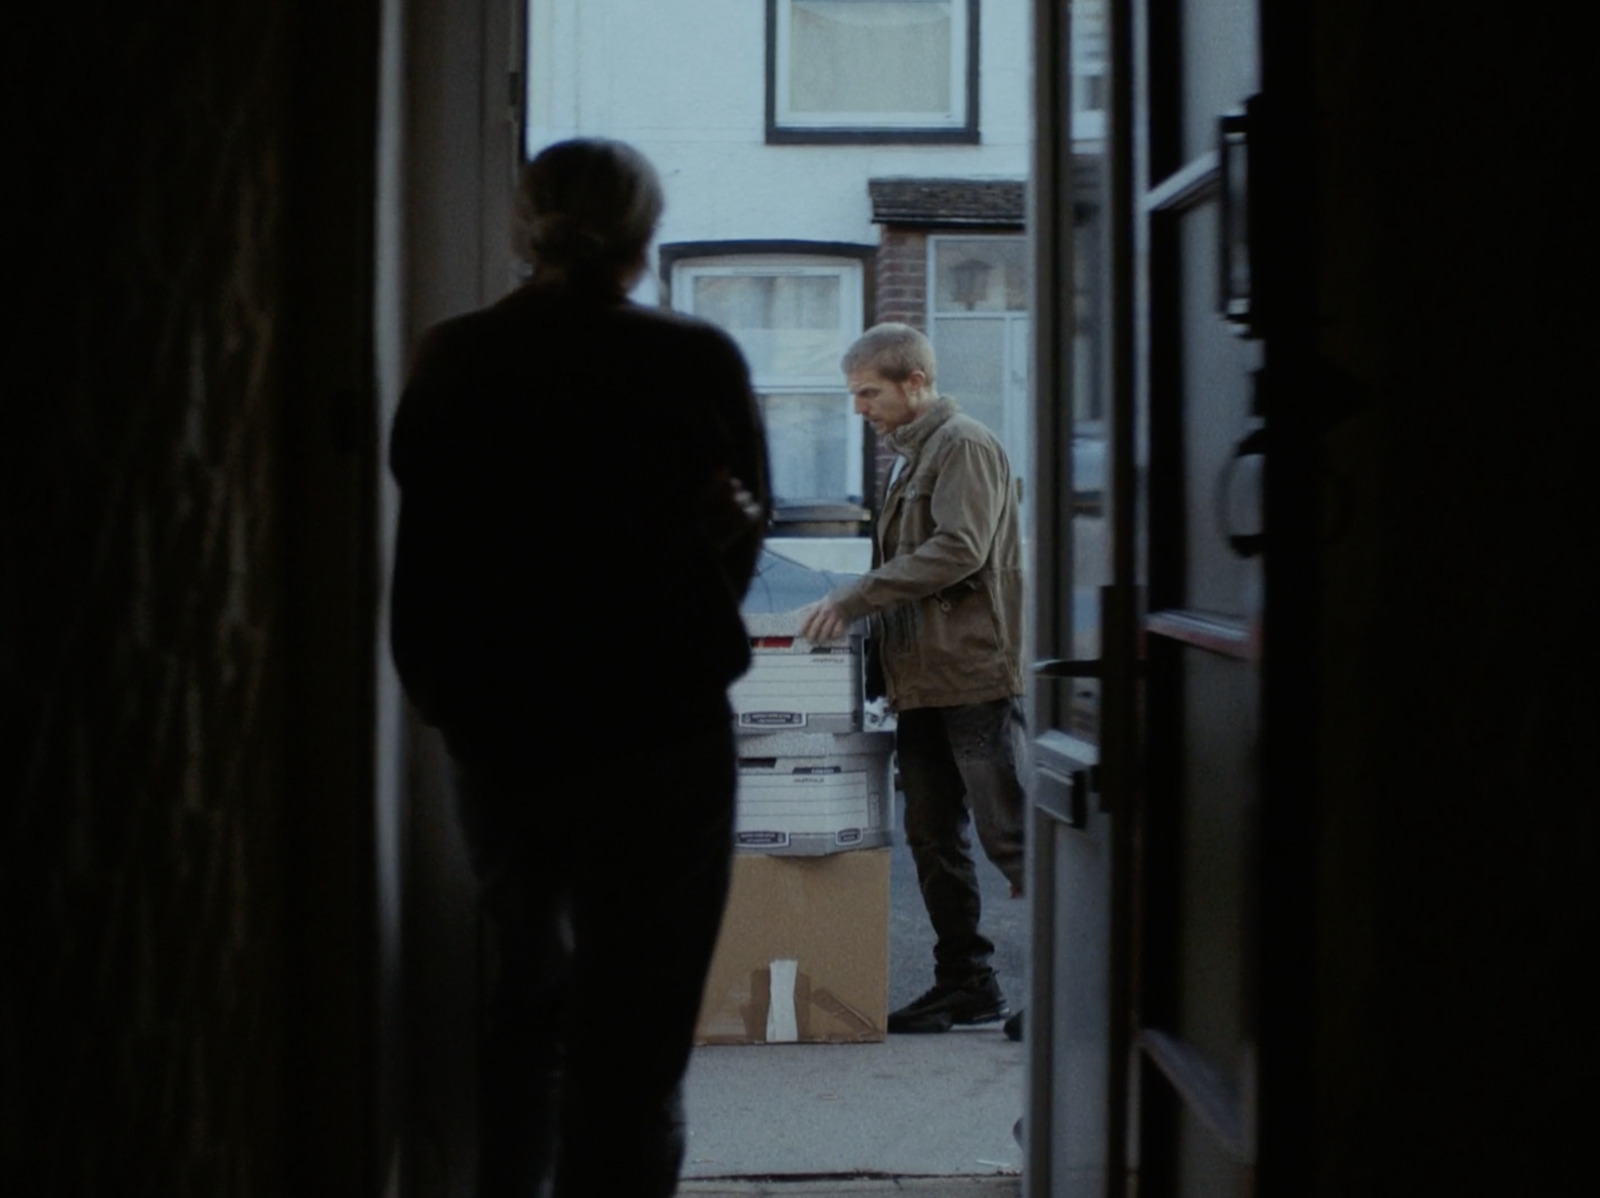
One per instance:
(1050, 502)
(1119, 614)
(1281, 201)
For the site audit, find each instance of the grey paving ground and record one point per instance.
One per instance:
(929, 1105)
(897, 1187)
(904, 1112)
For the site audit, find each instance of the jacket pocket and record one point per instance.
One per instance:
(968, 619)
(900, 624)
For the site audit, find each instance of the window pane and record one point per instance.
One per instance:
(808, 440)
(1088, 71)
(869, 56)
(1088, 396)
(1091, 529)
(972, 362)
(980, 274)
(787, 325)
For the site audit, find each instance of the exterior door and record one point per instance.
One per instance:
(1195, 809)
(1144, 1057)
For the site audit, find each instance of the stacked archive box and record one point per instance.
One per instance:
(815, 760)
(804, 948)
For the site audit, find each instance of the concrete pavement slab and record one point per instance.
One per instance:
(898, 1187)
(929, 1106)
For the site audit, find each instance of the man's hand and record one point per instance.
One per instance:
(822, 621)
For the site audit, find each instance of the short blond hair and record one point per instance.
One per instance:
(893, 350)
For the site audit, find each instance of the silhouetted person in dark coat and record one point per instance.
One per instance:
(583, 494)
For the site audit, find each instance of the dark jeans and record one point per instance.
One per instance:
(961, 765)
(603, 878)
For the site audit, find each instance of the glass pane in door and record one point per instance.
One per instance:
(980, 274)
(1089, 449)
(1219, 64)
(972, 367)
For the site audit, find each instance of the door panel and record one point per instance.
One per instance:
(1211, 398)
(1145, 866)
(1217, 66)
(1204, 1169)
(1212, 813)
(1193, 1122)
(1074, 882)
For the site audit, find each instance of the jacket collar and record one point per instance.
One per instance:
(909, 438)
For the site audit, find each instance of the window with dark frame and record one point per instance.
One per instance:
(872, 71)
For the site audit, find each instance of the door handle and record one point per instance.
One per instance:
(1236, 283)
(1065, 667)
(1246, 544)
(1061, 667)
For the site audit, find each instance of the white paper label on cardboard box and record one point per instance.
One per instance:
(782, 1025)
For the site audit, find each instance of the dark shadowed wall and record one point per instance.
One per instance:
(1457, 309)
(186, 615)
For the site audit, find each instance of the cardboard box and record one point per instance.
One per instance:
(804, 952)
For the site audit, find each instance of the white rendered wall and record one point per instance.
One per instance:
(684, 81)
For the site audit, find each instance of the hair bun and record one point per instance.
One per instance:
(587, 205)
(563, 239)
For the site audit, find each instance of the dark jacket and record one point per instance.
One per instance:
(556, 570)
(945, 590)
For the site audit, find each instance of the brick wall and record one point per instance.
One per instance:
(902, 277)
(900, 283)
(140, 631)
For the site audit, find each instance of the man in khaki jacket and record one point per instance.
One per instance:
(945, 597)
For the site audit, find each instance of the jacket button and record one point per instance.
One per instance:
(944, 605)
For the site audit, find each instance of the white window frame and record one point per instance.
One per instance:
(849, 274)
(956, 121)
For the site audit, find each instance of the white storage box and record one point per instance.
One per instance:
(795, 684)
(808, 795)
(790, 684)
